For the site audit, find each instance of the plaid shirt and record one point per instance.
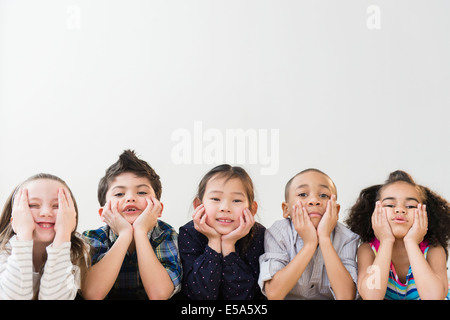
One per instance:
(128, 285)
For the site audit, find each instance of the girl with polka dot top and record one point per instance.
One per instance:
(220, 247)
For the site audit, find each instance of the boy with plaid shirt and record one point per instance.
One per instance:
(135, 254)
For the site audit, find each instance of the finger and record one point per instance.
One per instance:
(197, 211)
(251, 217)
(425, 216)
(24, 198)
(156, 205)
(17, 197)
(69, 198)
(115, 208)
(149, 205)
(62, 201)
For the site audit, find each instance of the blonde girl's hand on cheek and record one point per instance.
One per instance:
(303, 224)
(111, 216)
(419, 227)
(66, 218)
(22, 220)
(199, 218)
(229, 240)
(148, 219)
(380, 224)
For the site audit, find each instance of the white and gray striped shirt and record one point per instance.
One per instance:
(59, 279)
(282, 243)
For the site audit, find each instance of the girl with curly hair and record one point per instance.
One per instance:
(405, 230)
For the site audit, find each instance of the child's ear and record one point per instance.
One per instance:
(196, 202)
(338, 206)
(285, 208)
(100, 212)
(254, 208)
(162, 208)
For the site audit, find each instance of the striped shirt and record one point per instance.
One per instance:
(128, 285)
(59, 279)
(281, 245)
(396, 290)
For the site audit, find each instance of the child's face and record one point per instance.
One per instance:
(400, 200)
(224, 203)
(43, 203)
(130, 191)
(313, 189)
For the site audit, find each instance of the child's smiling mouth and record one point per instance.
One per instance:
(130, 209)
(224, 221)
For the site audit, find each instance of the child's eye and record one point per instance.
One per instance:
(411, 207)
(237, 200)
(36, 206)
(119, 194)
(143, 193)
(323, 195)
(303, 194)
(215, 199)
(55, 207)
(388, 206)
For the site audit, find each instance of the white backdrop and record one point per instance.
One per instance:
(355, 88)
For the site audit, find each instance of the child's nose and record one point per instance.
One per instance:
(130, 197)
(224, 206)
(46, 211)
(313, 201)
(400, 210)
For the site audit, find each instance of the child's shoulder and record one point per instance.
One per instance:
(281, 226)
(163, 230)
(345, 231)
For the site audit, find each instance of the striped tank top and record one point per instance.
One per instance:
(396, 290)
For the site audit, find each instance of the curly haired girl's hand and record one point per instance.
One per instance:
(380, 224)
(420, 226)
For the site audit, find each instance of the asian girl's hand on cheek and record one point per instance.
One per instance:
(199, 218)
(246, 222)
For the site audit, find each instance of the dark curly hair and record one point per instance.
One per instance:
(359, 219)
(128, 162)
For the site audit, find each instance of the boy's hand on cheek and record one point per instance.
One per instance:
(114, 219)
(148, 219)
(303, 224)
(329, 219)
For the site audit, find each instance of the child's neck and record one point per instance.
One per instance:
(400, 259)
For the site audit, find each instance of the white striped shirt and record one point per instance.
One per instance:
(281, 245)
(59, 279)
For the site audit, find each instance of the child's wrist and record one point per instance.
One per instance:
(215, 244)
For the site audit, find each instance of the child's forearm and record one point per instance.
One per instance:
(341, 282)
(429, 285)
(284, 280)
(157, 282)
(372, 285)
(101, 277)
